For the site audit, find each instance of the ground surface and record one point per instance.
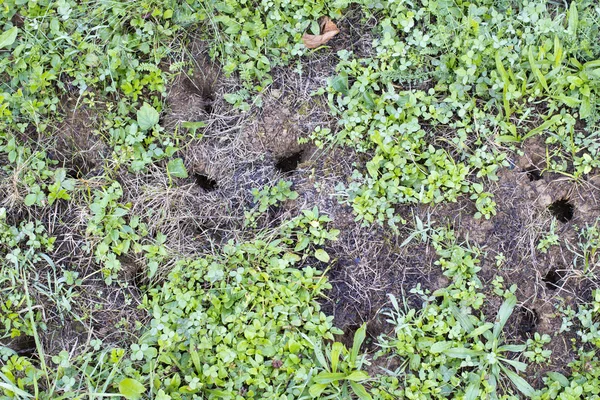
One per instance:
(130, 224)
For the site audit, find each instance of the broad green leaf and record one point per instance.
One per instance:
(558, 52)
(359, 337)
(30, 199)
(594, 73)
(224, 7)
(518, 365)
(8, 38)
(340, 84)
(472, 391)
(520, 383)
(357, 376)
(368, 99)
(507, 139)
(504, 313)
(501, 70)
(360, 391)
(515, 348)
(321, 255)
(585, 109)
(177, 169)
(336, 350)
(320, 356)
(560, 378)
(573, 18)
(147, 117)
(570, 101)
(302, 244)
(316, 390)
(373, 166)
(152, 269)
(462, 319)
(131, 389)
(193, 125)
(481, 329)
(329, 377)
(493, 383)
(462, 352)
(440, 347)
(506, 103)
(592, 64)
(195, 357)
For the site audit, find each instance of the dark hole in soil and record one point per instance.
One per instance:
(552, 279)
(348, 336)
(203, 87)
(527, 321)
(18, 20)
(290, 163)
(533, 173)
(24, 346)
(562, 210)
(75, 173)
(209, 100)
(208, 107)
(205, 182)
(274, 212)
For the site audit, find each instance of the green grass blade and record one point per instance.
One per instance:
(547, 124)
(536, 71)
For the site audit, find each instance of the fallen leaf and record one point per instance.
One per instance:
(328, 30)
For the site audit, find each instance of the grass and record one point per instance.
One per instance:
(153, 245)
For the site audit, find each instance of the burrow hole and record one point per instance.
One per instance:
(562, 210)
(527, 321)
(202, 86)
(289, 163)
(553, 278)
(25, 347)
(533, 173)
(205, 182)
(77, 171)
(208, 103)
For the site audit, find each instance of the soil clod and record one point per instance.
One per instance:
(562, 210)
(289, 163)
(205, 182)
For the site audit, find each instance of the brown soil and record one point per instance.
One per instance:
(77, 147)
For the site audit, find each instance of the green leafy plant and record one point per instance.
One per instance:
(549, 239)
(266, 349)
(492, 355)
(310, 230)
(535, 349)
(115, 236)
(342, 373)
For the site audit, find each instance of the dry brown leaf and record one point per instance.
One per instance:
(328, 30)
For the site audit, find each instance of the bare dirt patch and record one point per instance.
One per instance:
(78, 148)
